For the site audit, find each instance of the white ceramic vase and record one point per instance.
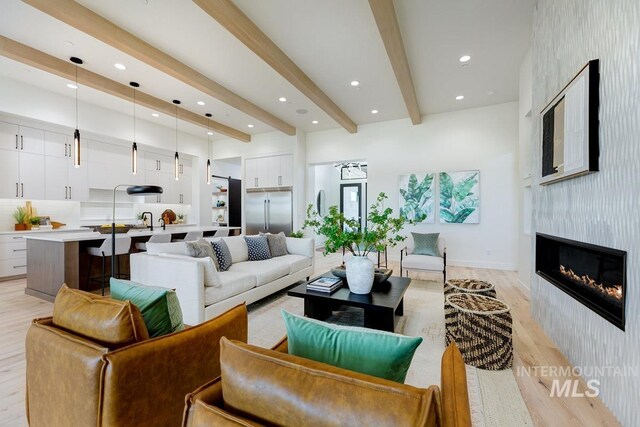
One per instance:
(360, 274)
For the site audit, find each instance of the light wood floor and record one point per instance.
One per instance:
(532, 348)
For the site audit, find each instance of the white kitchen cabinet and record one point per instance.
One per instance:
(269, 172)
(9, 136)
(9, 174)
(63, 181)
(31, 140)
(13, 255)
(108, 165)
(159, 171)
(31, 176)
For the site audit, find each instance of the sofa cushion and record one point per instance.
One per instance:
(166, 248)
(295, 262)
(264, 271)
(273, 388)
(108, 322)
(223, 254)
(237, 247)
(426, 244)
(160, 307)
(211, 275)
(233, 283)
(378, 353)
(300, 246)
(257, 248)
(423, 262)
(277, 244)
(201, 249)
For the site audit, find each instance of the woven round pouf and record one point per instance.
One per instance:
(455, 286)
(482, 330)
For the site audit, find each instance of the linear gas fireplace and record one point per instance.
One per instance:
(594, 275)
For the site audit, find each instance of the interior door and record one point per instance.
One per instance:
(350, 205)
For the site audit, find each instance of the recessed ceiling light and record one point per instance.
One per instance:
(465, 58)
(209, 133)
(355, 83)
(315, 122)
(120, 66)
(374, 111)
(72, 86)
(200, 103)
(249, 126)
(282, 99)
(302, 111)
(155, 114)
(460, 97)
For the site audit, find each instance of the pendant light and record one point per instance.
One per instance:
(76, 133)
(176, 166)
(134, 147)
(208, 150)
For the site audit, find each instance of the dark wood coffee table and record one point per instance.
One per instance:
(380, 306)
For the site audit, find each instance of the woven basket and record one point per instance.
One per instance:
(481, 326)
(454, 286)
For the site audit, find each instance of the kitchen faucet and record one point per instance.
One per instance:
(151, 222)
(164, 224)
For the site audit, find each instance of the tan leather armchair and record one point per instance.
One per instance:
(260, 387)
(73, 381)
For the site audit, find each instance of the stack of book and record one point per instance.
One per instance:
(325, 284)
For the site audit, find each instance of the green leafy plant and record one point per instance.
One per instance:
(457, 201)
(297, 234)
(417, 198)
(20, 215)
(180, 216)
(381, 231)
(34, 220)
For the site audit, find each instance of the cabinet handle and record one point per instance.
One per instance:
(69, 192)
(19, 266)
(19, 250)
(16, 141)
(21, 142)
(17, 189)
(159, 165)
(66, 192)
(18, 237)
(22, 189)
(69, 150)
(65, 150)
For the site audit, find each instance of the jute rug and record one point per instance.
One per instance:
(494, 395)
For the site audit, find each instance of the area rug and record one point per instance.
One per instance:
(494, 397)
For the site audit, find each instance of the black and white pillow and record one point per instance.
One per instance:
(258, 248)
(277, 244)
(223, 254)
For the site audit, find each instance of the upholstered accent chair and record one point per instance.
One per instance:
(120, 377)
(262, 387)
(411, 261)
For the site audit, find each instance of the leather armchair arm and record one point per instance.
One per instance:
(145, 384)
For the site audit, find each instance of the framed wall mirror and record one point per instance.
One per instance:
(321, 203)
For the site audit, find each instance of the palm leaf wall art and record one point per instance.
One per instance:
(460, 197)
(416, 197)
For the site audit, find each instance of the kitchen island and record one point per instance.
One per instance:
(57, 258)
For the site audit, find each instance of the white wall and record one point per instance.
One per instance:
(52, 111)
(524, 172)
(481, 138)
(600, 208)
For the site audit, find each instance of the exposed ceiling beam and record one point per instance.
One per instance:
(385, 16)
(237, 23)
(89, 22)
(43, 61)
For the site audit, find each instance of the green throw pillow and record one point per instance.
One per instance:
(426, 244)
(160, 307)
(378, 353)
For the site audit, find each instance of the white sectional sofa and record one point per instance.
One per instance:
(205, 292)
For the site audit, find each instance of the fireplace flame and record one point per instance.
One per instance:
(614, 292)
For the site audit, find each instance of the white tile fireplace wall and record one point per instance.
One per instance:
(599, 208)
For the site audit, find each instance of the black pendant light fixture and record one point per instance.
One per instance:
(76, 133)
(134, 147)
(208, 149)
(176, 166)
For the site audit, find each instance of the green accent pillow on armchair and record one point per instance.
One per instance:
(426, 244)
(160, 307)
(372, 352)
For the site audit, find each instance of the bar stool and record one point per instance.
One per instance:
(222, 232)
(191, 236)
(155, 238)
(123, 243)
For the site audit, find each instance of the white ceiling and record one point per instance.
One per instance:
(333, 41)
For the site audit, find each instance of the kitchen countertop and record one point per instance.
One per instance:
(94, 235)
(59, 230)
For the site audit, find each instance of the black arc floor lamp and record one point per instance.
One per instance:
(132, 190)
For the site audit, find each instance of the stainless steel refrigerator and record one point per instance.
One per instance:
(269, 212)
